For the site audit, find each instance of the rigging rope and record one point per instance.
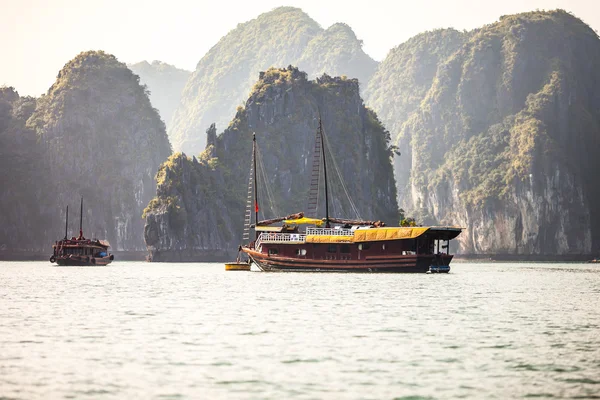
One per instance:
(337, 170)
(266, 185)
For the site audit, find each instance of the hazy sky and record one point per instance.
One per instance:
(37, 37)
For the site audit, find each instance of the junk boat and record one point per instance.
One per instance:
(79, 251)
(304, 244)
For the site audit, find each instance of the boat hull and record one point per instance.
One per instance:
(391, 264)
(76, 261)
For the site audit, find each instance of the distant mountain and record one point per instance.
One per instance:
(506, 139)
(336, 51)
(225, 75)
(102, 140)
(198, 213)
(165, 83)
(404, 77)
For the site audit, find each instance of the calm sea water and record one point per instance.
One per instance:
(173, 331)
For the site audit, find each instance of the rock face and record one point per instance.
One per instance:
(337, 51)
(23, 223)
(165, 83)
(200, 203)
(225, 75)
(403, 79)
(102, 140)
(505, 141)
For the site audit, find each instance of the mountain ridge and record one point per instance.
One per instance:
(225, 74)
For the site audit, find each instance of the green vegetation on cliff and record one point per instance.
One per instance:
(507, 135)
(24, 177)
(337, 51)
(165, 83)
(225, 75)
(403, 79)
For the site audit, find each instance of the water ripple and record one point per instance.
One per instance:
(186, 331)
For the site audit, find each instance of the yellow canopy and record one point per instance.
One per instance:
(304, 221)
(328, 239)
(374, 234)
(370, 235)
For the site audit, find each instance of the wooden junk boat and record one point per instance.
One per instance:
(338, 245)
(79, 251)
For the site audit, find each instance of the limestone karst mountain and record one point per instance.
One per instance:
(404, 77)
(505, 140)
(102, 140)
(24, 178)
(165, 83)
(199, 208)
(225, 75)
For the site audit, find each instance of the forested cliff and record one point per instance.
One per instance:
(505, 139)
(199, 209)
(404, 77)
(24, 177)
(225, 75)
(93, 134)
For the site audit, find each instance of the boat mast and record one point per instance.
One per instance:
(66, 222)
(255, 184)
(325, 174)
(81, 220)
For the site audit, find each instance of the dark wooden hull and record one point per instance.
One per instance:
(392, 263)
(76, 261)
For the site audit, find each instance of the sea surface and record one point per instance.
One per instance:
(194, 331)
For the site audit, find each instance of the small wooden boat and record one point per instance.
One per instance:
(237, 266)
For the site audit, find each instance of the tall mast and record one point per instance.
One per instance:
(255, 184)
(66, 222)
(81, 220)
(325, 174)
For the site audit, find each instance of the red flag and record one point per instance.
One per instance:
(256, 207)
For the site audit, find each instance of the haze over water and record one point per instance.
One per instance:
(161, 331)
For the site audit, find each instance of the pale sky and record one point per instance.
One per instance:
(37, 37)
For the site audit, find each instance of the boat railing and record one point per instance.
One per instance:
(279, 238)
(329, 232)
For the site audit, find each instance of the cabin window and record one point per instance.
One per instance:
(332, 248)
(300, 252)
(345, 248)
(273, 251)
(364, 246)
(383, 246)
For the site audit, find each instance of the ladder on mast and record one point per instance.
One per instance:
(249, 199)
(313, 194)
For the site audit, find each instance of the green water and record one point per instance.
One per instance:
(189, 331)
